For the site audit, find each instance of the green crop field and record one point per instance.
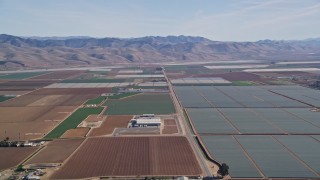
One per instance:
(242, 83)
(4, 98)
(72, 121)
(159, 103)
(97, 100)
(148, 87)
(21, 75)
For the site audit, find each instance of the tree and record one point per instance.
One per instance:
(224, 169)
(19, 168)
(14, 144)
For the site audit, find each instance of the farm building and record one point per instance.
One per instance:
(145, 121)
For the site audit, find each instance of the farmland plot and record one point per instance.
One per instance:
(131, 156)
(160, 103)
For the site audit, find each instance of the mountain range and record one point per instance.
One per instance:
(48, 52)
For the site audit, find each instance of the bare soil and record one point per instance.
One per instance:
(131, 156)
(95, 118)
(13, 156)
(168, 122)
(48, 100)
(59, 75)
(76, 133)
(25, 84)
(26, 123)
(110, 124)
(170, 130)
(56, 151)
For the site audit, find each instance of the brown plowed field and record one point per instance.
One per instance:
(25, 84)
(75, 133)
(48, 100)
(297, 73)
(131, 156)
(63, 100)
(28, 114)
(76, 100)
(21, 101)
(25, 130)
(72, 91)
(170, 122)
(13, 156)
(58, 113)
(22, 114)
(95, 118)
(286, 74)
(170, 130)
(59, 75)
(56, 151)
(30, 122)
(110, 124)
(13, 92)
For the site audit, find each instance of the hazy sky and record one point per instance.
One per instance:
(231, 20)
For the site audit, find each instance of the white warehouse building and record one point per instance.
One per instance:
(145, 122)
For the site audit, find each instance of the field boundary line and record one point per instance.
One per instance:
(32, 154)
(202, 162)
(105, 108)
(249, 157)
(220, 113)
(297, 116)
(189, 121)
(295, 156)
(206, 152)
(291, 98)
(30, 78)
(67, 159)
(128, 96)
(227, 95)
(315, 139)
(267, 121)
(61, 122)
(228, 120)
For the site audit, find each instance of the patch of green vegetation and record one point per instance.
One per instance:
(99, 72)
(115, 89)
(131, 67)
(4, 98)
(19, 168)
(122, 95)
(93, 81)
(148, 87)
(73, 121)
(160, 103)
(242, 83)
(280, 82)
(97, 100)
(188, 120)
(22, 75)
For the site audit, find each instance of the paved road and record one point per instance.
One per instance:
(187, 131)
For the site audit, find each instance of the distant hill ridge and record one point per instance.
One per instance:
(35, 52)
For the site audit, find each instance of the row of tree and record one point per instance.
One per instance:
(7, 143)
